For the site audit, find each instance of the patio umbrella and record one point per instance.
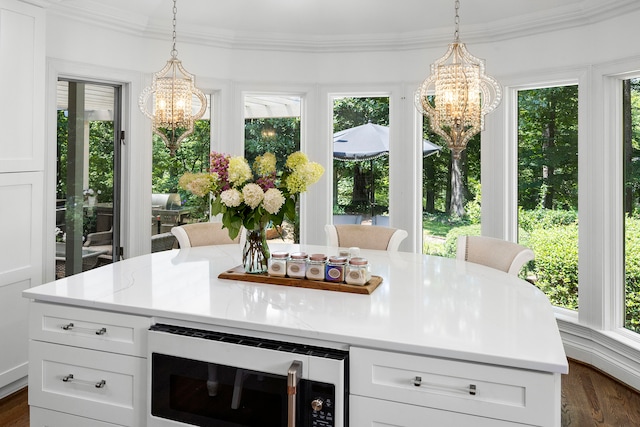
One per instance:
(368, 142)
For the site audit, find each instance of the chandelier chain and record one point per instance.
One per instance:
(456, 34)
(174, 52)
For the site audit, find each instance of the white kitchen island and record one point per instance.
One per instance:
(450, 323)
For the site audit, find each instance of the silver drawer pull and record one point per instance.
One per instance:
(472, 390)
(68, 378)
(70, 326)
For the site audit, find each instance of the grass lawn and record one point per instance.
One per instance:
(439, 224)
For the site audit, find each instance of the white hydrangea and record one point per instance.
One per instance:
(253, 195)
(231, 198)
(273, 200)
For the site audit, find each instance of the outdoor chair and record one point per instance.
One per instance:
(101, 241)
(365, 236)
(163, 242)
(495, 253)
(204, 234)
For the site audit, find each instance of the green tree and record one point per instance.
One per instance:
(437, 170)
(280, 136)
(192, 156)
(548, 148)
(631, 137)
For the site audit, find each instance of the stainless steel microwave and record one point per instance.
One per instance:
(206, 378)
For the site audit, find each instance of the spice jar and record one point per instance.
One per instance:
(297, 265)
(278, 264)
(358, 272)
(335, 269)
(316, 266)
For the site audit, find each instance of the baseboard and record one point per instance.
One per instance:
(13, 387)
(606, 352)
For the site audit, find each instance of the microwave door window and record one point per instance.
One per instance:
(207, 394)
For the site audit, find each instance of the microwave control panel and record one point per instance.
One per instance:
(321, 412)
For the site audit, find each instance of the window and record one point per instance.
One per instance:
(172, 205)
(272, 124)
(441, 227)
(548, 189)
(631, 168)
(361, 160)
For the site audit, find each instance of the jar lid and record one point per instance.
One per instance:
(338, 259)
(317, 257)
(358, 261)
(298, 255)
(279, 255)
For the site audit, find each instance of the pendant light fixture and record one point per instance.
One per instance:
(172, 91)
(463, 94)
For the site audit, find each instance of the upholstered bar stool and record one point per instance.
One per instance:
(365, 236)
(495, 253)
(204, 234)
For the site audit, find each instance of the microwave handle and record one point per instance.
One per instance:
(293, 377)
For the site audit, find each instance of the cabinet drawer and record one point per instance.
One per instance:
(485, 390)
(368, 412)
(99, 330)
(39, 417)
(103, 386)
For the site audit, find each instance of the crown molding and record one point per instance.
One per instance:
(562, 17)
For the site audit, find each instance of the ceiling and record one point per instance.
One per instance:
(321, 25)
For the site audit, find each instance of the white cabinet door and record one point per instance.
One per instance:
(368, 412)
(22, 55)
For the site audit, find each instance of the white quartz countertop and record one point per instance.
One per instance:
(426, 305)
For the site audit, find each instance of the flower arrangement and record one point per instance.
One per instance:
(253, 197)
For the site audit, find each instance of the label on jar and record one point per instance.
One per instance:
(335, 274)
(357, 277)
(315, 272)
(296, 269)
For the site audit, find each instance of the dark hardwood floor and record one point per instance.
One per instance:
(589, 398)
(14, 410)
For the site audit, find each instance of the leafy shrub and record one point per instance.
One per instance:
(632, 274)
(545, 218)
(556, 263)
(451, 243)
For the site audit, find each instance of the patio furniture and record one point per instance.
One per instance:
(89, 259)
(163, 242)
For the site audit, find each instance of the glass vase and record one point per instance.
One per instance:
(255, 254)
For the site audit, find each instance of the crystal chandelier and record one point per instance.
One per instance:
(463, 94)
(173, 89)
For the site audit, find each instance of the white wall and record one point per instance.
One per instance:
(568, 55)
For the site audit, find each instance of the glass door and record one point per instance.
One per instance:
(272, 123)
(88, 176)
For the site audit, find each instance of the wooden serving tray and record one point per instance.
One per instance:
(237, 273)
